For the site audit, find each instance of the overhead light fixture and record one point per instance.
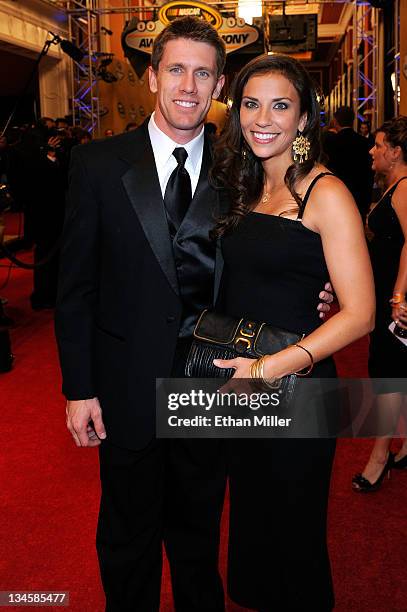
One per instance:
(102, 71)
(248, 9)
(68, 47)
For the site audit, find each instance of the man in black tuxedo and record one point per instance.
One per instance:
(136, 270)
(137, 267)
(348, 157)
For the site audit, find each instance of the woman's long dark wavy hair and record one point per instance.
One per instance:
(236, 169)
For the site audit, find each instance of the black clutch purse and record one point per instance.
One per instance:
(218, 336)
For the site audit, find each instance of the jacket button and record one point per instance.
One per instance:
(170, 319)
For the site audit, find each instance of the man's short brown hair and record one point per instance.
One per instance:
(190, 28)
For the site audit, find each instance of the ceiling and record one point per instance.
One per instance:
(333, 18)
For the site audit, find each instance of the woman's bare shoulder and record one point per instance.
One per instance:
(327, 182)
(401, 190)
(330, 205)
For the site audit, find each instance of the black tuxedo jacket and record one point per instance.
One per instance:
(119, 308)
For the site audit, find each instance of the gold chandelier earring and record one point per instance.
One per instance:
(244, 153)
(301, 146)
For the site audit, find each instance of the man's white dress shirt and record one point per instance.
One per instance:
(163, 147)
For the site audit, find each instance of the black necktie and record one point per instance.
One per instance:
(178, 193)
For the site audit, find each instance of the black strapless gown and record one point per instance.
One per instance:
(278, 558)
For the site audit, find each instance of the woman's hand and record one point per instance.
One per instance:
(399, 314)
(327, 298)
(241, 365)
(241, 382)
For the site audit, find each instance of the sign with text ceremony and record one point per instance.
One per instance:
(138, 36)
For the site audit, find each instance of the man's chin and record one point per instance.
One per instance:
(188, 123)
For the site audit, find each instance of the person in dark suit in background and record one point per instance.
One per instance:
(328, 139)
(364, 130)
(349, 160)
(137, 268)
(48, 205)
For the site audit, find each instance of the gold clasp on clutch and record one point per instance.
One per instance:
(247, 330)
(245, 341)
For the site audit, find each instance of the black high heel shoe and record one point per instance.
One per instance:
(363, 485)
(401, 464)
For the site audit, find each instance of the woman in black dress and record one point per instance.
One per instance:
(291, 226)
(388, 251)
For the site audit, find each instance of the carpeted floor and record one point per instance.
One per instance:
(49, 489)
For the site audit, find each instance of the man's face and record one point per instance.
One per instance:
(185, 83)
(364, 130)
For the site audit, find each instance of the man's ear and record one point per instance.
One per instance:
(303, 122)
(218, 88)
(152, 80)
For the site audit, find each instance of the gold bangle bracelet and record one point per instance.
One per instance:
(257, 368)
(254, 368)
(257, 372)
(397, 298)
(260, 371)
(311, 365)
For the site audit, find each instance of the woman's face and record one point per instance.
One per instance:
(381, 154)
(270, 115)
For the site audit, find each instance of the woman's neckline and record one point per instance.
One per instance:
(296, 221)
(382, 198)
(393, 184)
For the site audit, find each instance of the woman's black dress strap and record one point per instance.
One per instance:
(310, 188)
(393, 189)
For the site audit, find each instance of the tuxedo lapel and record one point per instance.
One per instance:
(204, 205)
(205, 209)
(203, 189)
(143, 190)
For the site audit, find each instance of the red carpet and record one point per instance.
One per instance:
(49, 490)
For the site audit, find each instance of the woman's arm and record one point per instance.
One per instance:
(399, 202)
(333, 214)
